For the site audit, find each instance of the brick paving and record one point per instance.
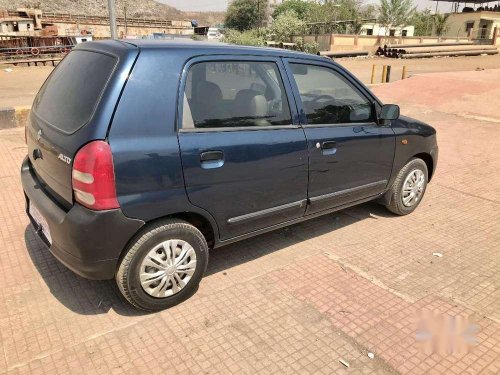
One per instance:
(298, 300)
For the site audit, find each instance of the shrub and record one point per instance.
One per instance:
(285, 26)
(245, 38)
(307, 47)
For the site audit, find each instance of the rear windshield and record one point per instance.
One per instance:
(69, 97)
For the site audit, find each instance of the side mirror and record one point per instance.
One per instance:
(389, 112)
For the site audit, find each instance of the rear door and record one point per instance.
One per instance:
(73, 107)
(350, 155)
(244, 159)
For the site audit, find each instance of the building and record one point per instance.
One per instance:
(379, 30)
(31, 22)
(477, 19)
(478, 25)
(23, 21)
(16, 25)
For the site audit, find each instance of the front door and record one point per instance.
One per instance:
(350, 155)
(244, 160)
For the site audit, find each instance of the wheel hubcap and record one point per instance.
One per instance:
(413, 188)
(167, 268)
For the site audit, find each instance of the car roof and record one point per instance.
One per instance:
(219, 48)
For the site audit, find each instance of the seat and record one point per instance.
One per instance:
(250, 108)
(206, 102)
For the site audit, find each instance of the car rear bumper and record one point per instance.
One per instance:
(87, 242)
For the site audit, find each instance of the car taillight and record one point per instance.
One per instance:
(94, 177)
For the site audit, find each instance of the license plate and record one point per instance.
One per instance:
(40, 221)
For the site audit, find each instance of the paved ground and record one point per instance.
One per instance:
(298, 300)
(19, 87)
(362, 67)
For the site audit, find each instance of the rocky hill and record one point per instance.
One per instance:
(135, 8)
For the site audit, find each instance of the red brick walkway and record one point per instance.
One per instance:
(299, 300)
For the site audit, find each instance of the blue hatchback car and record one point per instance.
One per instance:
(144, 155)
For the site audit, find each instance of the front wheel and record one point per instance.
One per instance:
(163, 266)
(409, 187)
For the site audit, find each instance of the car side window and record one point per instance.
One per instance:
(328, 98)
(229, 94)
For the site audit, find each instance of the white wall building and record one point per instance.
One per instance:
(16, 24)
(379, 30)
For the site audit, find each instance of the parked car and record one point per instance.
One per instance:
(213, 33)
(144, 155)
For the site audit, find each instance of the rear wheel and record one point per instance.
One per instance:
(409, 187)
(163, 266)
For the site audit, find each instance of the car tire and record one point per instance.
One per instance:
(170, 252)
(411, 179)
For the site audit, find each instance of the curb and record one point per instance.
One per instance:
(13, 117)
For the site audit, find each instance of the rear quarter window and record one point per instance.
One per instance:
(69, 97)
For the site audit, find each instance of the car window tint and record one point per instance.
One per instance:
(69, 96)
(327, 98)
(226, 94)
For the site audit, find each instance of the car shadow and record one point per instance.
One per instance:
(253, 248)
(90, 297)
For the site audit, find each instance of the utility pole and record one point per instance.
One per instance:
(258, 15)
(125, 16)
(112, 18)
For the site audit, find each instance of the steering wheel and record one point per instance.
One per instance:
(334, 116)
(323, 97)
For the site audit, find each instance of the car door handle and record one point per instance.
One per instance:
(212, 159)
(328, 147)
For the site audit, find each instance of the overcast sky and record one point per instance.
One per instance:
(206, 5)
(197, 5)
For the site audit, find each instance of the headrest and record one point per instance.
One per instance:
(208, 91)
(250, 103)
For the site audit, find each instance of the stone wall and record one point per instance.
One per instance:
(347, 42)
(12, 117)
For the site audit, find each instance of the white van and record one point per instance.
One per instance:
(213, 33)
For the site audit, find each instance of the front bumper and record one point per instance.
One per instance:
(435, 157)
(87, 242)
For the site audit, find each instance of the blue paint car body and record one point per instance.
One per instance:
(265, 178)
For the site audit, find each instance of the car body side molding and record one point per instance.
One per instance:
(345, 192)
(266, 212)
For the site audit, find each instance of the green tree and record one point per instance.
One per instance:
(326, 12)
(300, 7)
(440, 23)
(368, 11)
(285, 26)
(324, 17)
(422, 20)
(245, 14)
(396, 13)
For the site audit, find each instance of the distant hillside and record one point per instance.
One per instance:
(136, 8)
